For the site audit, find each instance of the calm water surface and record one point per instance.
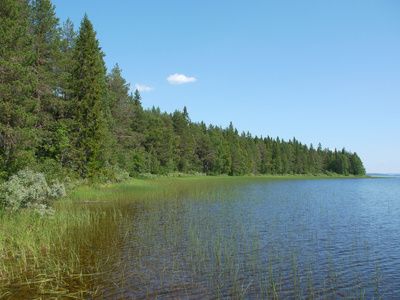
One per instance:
(261, 239)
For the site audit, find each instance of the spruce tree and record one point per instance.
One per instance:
(118, 114)
(138, 121)
(17, 139)
(357, 167)
(88, 84)
(186, 115)
(137, 100)
(118, 99)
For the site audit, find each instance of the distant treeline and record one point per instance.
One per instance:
(62, 112)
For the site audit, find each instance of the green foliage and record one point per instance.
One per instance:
(109, 174)
(17, 119)
(356, 165)
(64, 116)
(46, 36)
(67, 44)
(88, 84)
(137, 100)
(28, 189)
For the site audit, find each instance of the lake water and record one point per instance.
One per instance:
(333, 238)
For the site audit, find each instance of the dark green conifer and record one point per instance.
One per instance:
(357, 167)
(45, 31)
(138, 122)
(49, 76)
(137, 100)
(17, 139)
(67, 44)
(119, 113)
(88, 84)
(118, 99)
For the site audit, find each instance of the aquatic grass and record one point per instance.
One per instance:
(39, 253)
(147, 237)
(30, 249)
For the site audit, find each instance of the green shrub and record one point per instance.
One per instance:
(28, 189)
(110, 174)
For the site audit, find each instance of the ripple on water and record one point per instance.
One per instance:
(289, 238)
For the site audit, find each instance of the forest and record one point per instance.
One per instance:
(65, 115)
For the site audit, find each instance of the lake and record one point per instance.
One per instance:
(257, 239)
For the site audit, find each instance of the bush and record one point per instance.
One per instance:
(28, 189)
(110, 174)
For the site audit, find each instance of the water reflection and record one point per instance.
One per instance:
(266, 239)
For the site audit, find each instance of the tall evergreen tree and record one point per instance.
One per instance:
(357, 167)
(186, 115)
(45, 31)
(119, 119)
(62, 139)
(48, 70)
(137, 100)
(17, 139)
(88, 84)
(119, 101)
(138, 121)
(185, 153)
(67, 44)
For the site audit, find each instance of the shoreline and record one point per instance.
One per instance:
(42, 247)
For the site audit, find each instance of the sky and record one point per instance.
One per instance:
(321, 71)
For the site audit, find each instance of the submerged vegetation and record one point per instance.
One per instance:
(52, 256)
(207, 237)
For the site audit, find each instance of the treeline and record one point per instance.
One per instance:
(62, 113)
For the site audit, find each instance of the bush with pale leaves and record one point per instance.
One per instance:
(28, 189)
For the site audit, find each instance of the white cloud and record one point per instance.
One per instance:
(179, 79)
(143, 88)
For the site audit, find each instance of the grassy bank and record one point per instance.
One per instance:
(43, 257)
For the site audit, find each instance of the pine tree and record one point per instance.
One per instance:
(88, 84)
(63, 124)
(48, 70)
(45, 31)
(67, 44)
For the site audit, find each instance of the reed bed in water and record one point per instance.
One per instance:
(42, 254)
(49, 256)
(203, 243)
(170, 238)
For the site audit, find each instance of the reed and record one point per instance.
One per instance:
(189, 236)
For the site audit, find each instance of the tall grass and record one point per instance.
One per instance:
(48, 255)
(188, 237)
(41, 252)
(198, 242)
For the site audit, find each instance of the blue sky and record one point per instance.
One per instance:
(320, 71)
